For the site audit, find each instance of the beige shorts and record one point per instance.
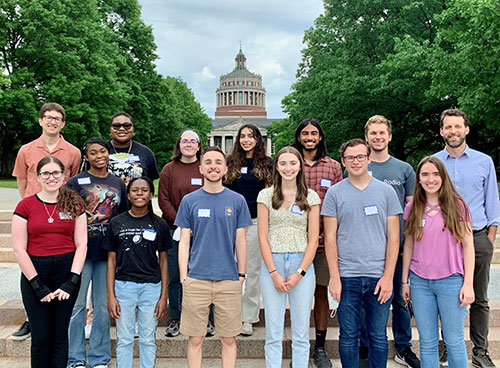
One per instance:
(198, 295)
(321, 269)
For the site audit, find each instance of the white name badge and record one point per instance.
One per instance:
(65, 216)
(423, 222)
(83, 181)
(371, 210)
(369, 172)
(325, 183)
(296, 209)
(203, 212)
(244, 170)
(196, 181)
(177, 234)
(133, 158)
(149, 234)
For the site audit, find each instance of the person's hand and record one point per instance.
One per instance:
(405, 292)
(47, 298)
(161, 308)
(242, 280)
(279, 282)
(293, 280)
(113, 308)
(383, 289)
(335, 288)
(466, 295)
(60, 294)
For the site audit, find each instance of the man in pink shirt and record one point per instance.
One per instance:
(51, 143)
(52, 119)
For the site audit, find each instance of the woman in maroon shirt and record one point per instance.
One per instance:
(49, 236)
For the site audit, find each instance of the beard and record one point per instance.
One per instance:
(456, 144)
(309, 148)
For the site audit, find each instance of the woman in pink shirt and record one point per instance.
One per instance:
(438, 263)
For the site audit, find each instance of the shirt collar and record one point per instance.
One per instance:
(466, 152)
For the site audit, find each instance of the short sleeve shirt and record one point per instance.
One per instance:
(287, 228)
(213, 219)
(132, 162)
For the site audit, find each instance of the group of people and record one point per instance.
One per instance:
(240, 227)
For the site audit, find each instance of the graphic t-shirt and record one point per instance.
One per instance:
(105, 198)
(136, 242)
(132, 162)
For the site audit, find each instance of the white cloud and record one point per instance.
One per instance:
(204, 75)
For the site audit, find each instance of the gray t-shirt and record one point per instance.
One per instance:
(362, 225)
(401, 177)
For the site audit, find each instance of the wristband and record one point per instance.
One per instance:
(270, 272)
(39, 287)
(301, 271)
(244, 275)
(184, 279)
(70, 284)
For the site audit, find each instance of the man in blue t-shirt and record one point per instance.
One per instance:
(217, 218)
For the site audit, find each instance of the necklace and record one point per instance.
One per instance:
(114, 148)
(50, 219)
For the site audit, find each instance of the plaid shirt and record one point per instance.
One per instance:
(328, 170)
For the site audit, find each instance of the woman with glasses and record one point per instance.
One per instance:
(105, 197)
(438, 263)
(129, 159)
(288, 224)
(49, 237)
(178, 178)
(249, 171)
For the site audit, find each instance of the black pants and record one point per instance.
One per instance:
(49, 321)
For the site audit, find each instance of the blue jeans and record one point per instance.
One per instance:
(136, 299)
(433, 298)
(99, 342)
(174, 280)
(300, 299)
(357, 294)
(401, 322)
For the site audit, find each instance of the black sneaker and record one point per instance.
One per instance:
(173, 328)
(443, 358)
(321, 359)
(23, 333)
(481, 359)
(210, 329)
(408, 358)
(364, 362)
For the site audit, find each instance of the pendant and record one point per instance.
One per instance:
(50, 220)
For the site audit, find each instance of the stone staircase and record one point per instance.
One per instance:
(250, 349)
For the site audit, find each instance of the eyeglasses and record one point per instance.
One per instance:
(118, 126)
(45, 175)
(53, 118)
(350, 159)
(191, 141)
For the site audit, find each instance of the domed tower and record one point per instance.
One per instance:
(240, 93)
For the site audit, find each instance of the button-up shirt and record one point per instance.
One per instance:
(473, 174)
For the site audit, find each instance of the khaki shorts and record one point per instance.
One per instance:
(321, 269)
(198, 295)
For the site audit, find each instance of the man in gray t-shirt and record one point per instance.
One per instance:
(361, 217)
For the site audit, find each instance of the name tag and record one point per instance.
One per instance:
(65, 216)
(203, 212)
(196, 181)
(369, 172)
(370, 210)
(325, 183)
(423, 222)
(133, 158)
(296, 209)
(244, 170)
(83, 181)
(149, 234)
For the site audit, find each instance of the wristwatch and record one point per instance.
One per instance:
(301, 271)
(244, 275)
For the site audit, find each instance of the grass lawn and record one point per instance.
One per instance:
(8, 183)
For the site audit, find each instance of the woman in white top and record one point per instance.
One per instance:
(288, 226)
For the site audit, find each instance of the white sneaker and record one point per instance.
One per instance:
(100, 366)
(88, 328)
(247, 329)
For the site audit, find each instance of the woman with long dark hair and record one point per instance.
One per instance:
(249, 171)
(438, 263)
(288, 223)
(137, 246)
(49, 236)
(105, 196)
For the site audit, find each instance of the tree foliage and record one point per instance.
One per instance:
(407, 60)
(94, 57)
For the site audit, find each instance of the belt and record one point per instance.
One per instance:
(478, 231)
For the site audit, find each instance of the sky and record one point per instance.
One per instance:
(198, 40)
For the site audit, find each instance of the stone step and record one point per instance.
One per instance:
(5, 227)
(251, 347)
(12, 313)
(6, 215)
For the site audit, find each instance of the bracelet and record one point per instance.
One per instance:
(184, 279)
(270, 272)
